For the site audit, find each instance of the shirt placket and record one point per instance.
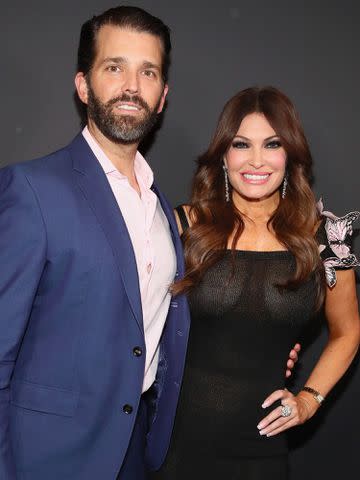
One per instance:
(150, 208)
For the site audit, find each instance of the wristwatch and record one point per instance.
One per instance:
(316, 395)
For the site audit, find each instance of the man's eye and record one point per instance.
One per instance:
(149, 73)
(239, 144)
(113, 68)
(273, 144)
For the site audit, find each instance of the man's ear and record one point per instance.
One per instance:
(81, 87)
(163, 97)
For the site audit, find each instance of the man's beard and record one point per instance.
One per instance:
(121, 128)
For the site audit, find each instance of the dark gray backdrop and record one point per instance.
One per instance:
(308, 49)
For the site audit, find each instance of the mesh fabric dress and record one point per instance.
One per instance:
(242, 329)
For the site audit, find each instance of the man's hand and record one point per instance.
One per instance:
(293, 358)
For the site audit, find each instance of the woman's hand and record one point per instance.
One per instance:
(293, 358)
(294, 410)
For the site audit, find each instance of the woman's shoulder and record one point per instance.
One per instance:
(334, 238)
(183, 218)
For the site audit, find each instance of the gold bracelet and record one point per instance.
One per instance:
(316, 395)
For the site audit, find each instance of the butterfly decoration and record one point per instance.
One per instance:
(337, 230)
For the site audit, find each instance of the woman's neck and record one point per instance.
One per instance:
(259, 210)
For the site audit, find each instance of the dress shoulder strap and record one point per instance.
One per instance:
(182, 217)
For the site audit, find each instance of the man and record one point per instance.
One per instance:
(88, 249)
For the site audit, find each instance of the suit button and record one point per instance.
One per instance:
(137, 351)
(127, 409)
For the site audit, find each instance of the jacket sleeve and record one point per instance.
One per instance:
(22, 260)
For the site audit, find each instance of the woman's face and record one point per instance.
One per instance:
(256, 160)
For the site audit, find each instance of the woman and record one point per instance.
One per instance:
(252, 236)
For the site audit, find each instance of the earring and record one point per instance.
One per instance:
(284, 187)
(227, 192)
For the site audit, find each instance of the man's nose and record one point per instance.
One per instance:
(131, 83)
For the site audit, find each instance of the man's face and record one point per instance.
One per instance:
(124, 90)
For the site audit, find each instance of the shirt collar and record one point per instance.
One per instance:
(143, 172)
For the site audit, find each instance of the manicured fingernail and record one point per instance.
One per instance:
(262, 432)
(260, 426)
(265, 404)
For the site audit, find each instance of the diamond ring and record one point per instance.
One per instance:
(286, 411)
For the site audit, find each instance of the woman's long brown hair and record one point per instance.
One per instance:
(215, 221)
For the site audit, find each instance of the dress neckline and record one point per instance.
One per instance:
(260, 253)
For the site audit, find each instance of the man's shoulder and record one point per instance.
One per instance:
(52, 161)
(46, 173)
(50, 164)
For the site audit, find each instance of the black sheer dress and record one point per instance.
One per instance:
(242, 329)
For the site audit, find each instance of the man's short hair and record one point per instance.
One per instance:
(133, 18)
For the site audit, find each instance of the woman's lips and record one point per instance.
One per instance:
(255, 178)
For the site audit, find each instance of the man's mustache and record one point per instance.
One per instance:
(135, 99)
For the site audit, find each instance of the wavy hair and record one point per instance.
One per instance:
(214, 221)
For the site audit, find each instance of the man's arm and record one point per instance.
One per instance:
(22, 259)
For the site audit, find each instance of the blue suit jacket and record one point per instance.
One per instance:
(70, 316)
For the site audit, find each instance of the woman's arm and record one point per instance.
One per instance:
(341, 308)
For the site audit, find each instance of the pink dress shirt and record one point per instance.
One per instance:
(153, 247)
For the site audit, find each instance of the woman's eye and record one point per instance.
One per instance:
(239, 144)
(273, 144)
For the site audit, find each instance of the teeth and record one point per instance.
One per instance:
(248, 176)
(127, 107)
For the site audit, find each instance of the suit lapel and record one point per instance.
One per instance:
(173, 228)
(95, 187)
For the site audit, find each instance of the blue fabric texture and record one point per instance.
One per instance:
(70, 318)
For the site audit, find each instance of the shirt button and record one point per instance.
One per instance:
(148, 268)
(127, 409)
(137, 351)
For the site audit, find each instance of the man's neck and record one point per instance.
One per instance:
(122, 156)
